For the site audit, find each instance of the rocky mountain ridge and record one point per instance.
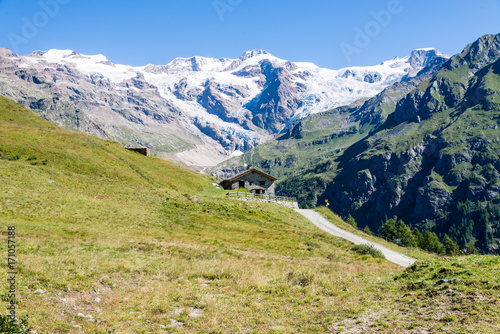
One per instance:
(196, 110)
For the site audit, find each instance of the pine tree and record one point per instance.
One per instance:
(450, 246)
(367, 230)
(486, 239)
(419, 238)
(431, 243)
(388, 230)
(471, 248)
(405, 235)
(350, 220)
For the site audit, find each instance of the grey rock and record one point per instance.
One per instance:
(447, 280)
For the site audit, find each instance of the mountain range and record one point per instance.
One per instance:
(197, 111)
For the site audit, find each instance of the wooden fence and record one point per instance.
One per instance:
(267, 198)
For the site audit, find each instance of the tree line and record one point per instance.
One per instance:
(398, 232)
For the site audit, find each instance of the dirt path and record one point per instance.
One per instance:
(328, 227)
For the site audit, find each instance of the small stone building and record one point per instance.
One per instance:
(255, 181)
(142, 150)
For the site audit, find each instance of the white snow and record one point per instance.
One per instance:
(89, 65)
(236, 153)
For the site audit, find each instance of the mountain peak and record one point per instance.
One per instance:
(254, 53)
(423, 56)
(484, 50)
(56, 55)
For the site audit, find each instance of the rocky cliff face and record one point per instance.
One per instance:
(435, 161)
(194, 110)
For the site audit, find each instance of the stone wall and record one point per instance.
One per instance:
(292, 205)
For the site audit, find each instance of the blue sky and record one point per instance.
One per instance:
(330, 33)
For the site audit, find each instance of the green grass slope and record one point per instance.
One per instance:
(446, 295)
(109, 240)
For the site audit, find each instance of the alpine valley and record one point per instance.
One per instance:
(196, 111)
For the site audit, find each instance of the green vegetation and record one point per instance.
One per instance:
(444, 294)
(450, 246)
(16, 326)
(367, 230)
(110, 240)
(368, 249)
(471, 249)
(350, 220)
(402, 234)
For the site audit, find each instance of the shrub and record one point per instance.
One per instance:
(19, 326)
(367, 230)
(300, 278)
(311, 244)
(11, 158)
(350, 220)
(368, 250)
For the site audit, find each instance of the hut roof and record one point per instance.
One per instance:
(252, 170)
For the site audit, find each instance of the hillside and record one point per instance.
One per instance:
(108, 239)
(432, 163)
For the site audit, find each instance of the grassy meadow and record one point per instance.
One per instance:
(109, 241)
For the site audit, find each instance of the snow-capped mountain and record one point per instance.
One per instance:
(196, 110)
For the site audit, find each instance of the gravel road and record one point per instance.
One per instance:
(328, 227)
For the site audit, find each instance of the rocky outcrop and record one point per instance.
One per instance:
(280, 97)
